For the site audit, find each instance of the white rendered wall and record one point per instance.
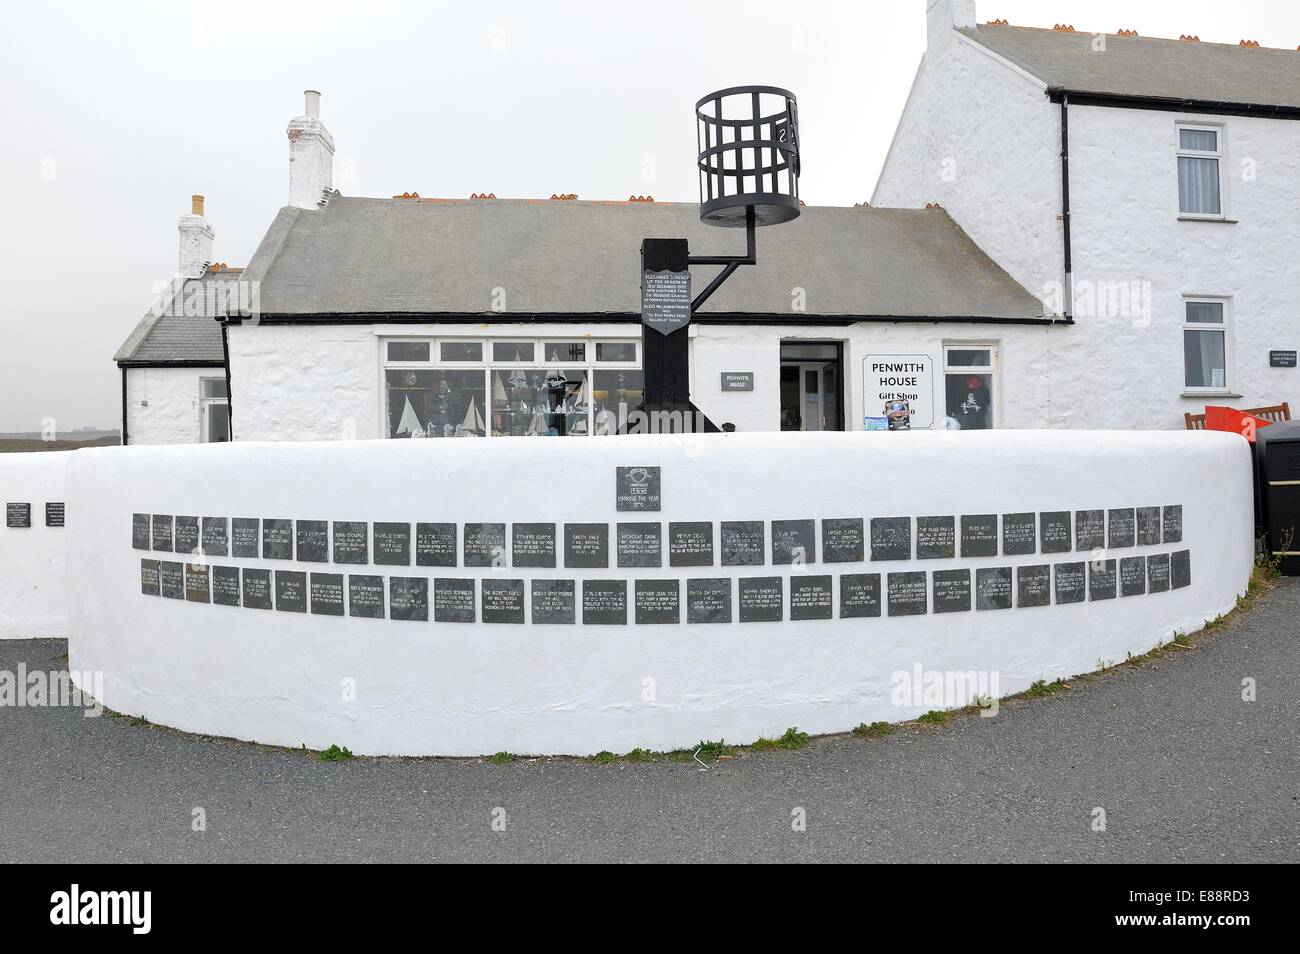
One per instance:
(162, 404)
(33, 592)
(426, 688)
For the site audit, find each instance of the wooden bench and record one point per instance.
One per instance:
(1276, 412)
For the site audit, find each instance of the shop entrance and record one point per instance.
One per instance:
(812, 386)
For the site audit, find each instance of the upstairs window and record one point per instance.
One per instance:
(1199, 155)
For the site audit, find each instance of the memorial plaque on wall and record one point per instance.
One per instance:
(225, 585)
(1180, 569)
(149, 578)
(708, 601)
(586, 545)
(197, 588)
(1089, 530)
(604, 602)
(351, 542)
(453, 601)
(327, 594)
(365, 595)
(810, 597)
(18, 516)
(637, 489)
(1123, 528)
(277, 539)
(313, 541)
(257, 589)
(503, 601)
(737, 380)
(1132, 576)
(187, 535)
(55, 513)
(244, 533)
(291, 591)
(690, 544)
(1101, 580)
(553, 601)
(408, 598)
(1071, 582)
(639, 544)
(392, 544)
(532, 544)
(979, 535)
(1158, 573)
(993, 588)
(859, 595)
(1172, 524)
(1148, 526)
(761, 599)
(936, 538)
(891, 538)
(794, 542)
(215, 540)
(1019, 533)
(742, 543)
(162, 532)
(485, 545)
(171, 579)
(140, 531)
(842, 540)
(1055, 531)
(905, 593)
(435, 544)
(657, 601)
(1034, 585)
(951, 590)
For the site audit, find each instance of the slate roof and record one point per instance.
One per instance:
(1149, 67)
(181, 327)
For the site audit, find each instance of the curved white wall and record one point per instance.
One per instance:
(470, 688)
(33, 595)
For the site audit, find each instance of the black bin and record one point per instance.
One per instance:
(1277, 456)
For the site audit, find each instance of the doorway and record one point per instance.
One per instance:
(812, 386)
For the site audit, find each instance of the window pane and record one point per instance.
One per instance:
(1203, 359)
(1198, 186)
(435, 403)
(616, 395)
(1203, 140)
(1205, 311)
(969, 358)
(565, 350)
(218, 422)
(615, 351)
(969, 401)
(539, 403)
(506, 351)
(461, 350)
(214, 388)
(808, 352)
(408, 351)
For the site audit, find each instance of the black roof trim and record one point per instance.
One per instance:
(607, 318)
(170, 364)
(1084, 98)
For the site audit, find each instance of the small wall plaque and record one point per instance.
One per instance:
(740, 380)
(637, 488)
(55, 512)
(1281, 359)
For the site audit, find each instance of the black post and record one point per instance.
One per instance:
(665, 357)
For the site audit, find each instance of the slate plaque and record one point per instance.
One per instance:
(351, 542)
(979, 535)
(1148, 526)
(639, 544)
(485, 545)
(313, 541)
(1172, 524)
(1034, 585)
(657, 601)
(365, 595)
(637, 488)
(187, 535)
(532, 544)
(951, 590)
(1019, 533)
(215, 538)
(709, 600)
(737, 380)
(257, 589)
(586, 545)
(1123, 528)
(891, 538)
(1089, 530)
(553, 601)
(291, 591)
(1055, 531)
(162, 532)
(1101, 580)
(197, 586)
(761, 599)
(1132, 576)
(18, 515)
(1158, 573)
(1281, 359)
(277, 539)
(453, 601)
(810, 597)
(244, 533)
(435, 544)
(742, 543)
(690, 544)
(55, 513)
(993, 588)
(149, 578)
(794, 542)
(859, 595)
(665, 299)
(905, 593)
(327, 594)
(1180, 569)
(503, 601)
(225, 585)
(171, 579)
(842, 540)
(140, 531)
(1071, 582)
(392, 544)
(604, 602)
(936, 538)
(408, 598)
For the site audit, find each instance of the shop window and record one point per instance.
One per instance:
(1205, 345)
(431, 403)
(969, 379)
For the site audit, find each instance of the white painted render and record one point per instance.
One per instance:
(163, 405)
(33, 588)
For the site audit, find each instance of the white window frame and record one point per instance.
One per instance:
(1219, 156)
(205, 406)
(1225, 328)
(992, 369)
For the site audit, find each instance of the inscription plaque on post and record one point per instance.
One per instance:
(761, 599)
(1123, 528)
(951, 590)
(162, 532)
(905, 593)
(1089, 530)
(637, 488)
(503, 601)
(979, 535)
(1132, 576)
(225, 585)
(408, 598)
(936, 538)
(18, 516)
(453, 601)
(639, 544)
(257, 589)
(993, 588)
(1172, 524)
(1034, 585)
(859, 595)
(794, 542)
(1071, 582)
(553, 601)
(810, 597)
(365, 595)
(171, 579)
(586, 545)
(435, 544)
(708, 601)
(392, 544)
(55, 513)
(1148, 526)
(743, 543)
(657, 601)
(197, 587)
(532, 544)
(187, 535)
(665, 299)
(277, 539)
(327, 594)
(1180, 569)
(244, 533)
(485, 545)
(690, 544)
(842, 540)
(1019, 533)
(215, 539)
(604, 602)
(291, 591)
(140, 531)
(1158, 573)
(149, 578)
(351, 541)
(313, 541)
(1101, 580)
(1055, 531)
(891, 538)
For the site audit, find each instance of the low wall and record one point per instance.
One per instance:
(462, 597)
(33, 592)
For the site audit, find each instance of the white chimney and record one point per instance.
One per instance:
(942, 16)
(196, 240)
(311, 156)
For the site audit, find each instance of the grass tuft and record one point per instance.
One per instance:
(336, 754)
(875, 730)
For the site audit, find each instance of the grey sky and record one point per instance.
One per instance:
(113, 114)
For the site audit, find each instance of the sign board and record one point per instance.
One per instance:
(1281, 359)
(665, 300)
(900, 388)
(737, 380)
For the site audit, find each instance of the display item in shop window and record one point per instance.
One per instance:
(970, 411)
(410, 421)
(899, 414)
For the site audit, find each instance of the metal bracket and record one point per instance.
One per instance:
(732, 262)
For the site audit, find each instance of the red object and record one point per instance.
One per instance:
(1237, 422)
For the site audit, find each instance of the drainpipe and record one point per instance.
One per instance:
(124, 434)
(1065, 204)
(230, 400)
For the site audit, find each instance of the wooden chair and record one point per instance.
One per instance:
(1275, 412)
